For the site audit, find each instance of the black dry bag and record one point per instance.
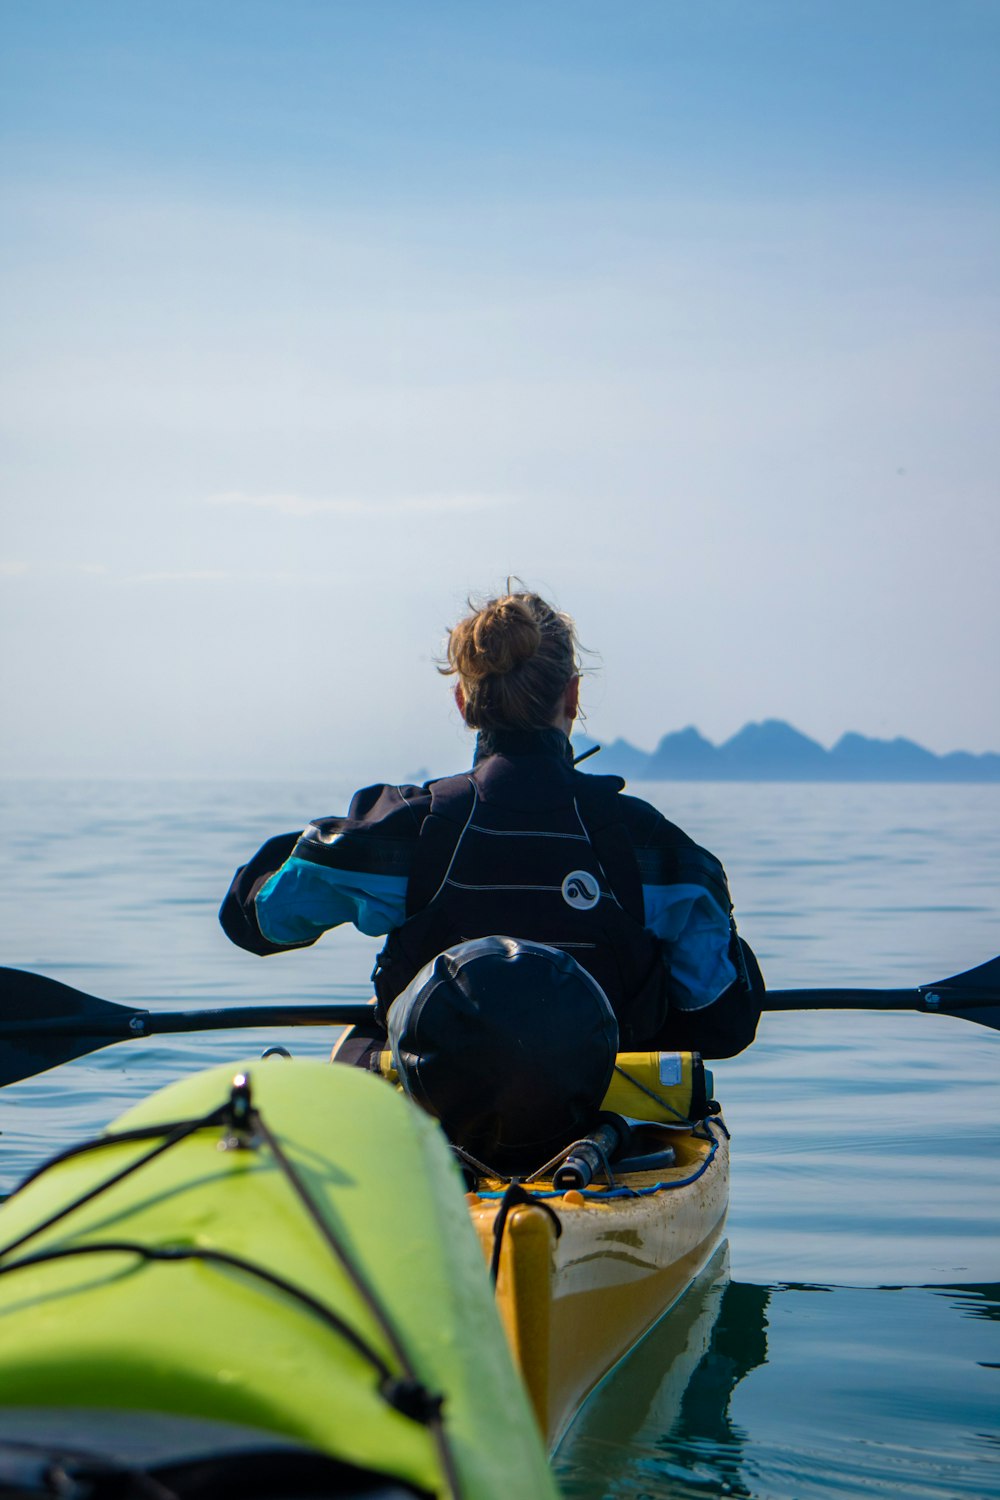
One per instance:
(510, 1044)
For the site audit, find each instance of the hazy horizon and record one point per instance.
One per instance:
(344, 775)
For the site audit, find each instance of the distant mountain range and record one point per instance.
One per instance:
(774, 751)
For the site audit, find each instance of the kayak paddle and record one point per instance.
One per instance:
(972, 996)
(44, 1022)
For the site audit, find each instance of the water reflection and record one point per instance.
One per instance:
(974, 1301)
(666, 1412)
(855, 1391)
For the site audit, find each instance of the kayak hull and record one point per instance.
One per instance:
(582, 1277)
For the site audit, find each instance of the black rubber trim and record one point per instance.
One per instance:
(361, 853)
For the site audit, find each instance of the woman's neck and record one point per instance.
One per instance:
(551, 741)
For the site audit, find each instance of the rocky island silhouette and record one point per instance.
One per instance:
(775, 751)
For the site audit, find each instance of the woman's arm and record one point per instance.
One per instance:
(714, 983)
(341, 869)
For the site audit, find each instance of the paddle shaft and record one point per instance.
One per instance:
(138, 1023)
(133, 1023)
(933, 999)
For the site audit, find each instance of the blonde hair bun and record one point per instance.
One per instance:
(504, 634)
(514, 656)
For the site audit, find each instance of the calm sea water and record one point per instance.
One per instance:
(846, 1341)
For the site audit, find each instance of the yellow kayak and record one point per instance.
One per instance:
(582, 1276)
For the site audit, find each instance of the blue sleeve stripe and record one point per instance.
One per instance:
(303, 900)
(696, 935)
(667, 907)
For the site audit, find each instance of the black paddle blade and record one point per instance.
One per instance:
(983, 979)
(978, 988)
(44, 1023)
(986, 1015)
(37, 1053)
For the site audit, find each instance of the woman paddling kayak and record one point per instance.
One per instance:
(523, 844)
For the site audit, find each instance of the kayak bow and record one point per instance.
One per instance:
(282, 1248)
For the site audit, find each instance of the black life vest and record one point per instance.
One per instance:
(527, 847)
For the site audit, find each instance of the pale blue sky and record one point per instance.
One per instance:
(319, 316)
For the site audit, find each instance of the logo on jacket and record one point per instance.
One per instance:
(580, 890)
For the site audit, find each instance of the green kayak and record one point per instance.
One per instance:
(265, 1274)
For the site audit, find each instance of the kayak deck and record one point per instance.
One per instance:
(276, 1245)
(582, 1276)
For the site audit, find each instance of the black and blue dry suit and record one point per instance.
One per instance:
(527, 846)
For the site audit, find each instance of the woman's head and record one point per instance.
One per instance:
(516, 662)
